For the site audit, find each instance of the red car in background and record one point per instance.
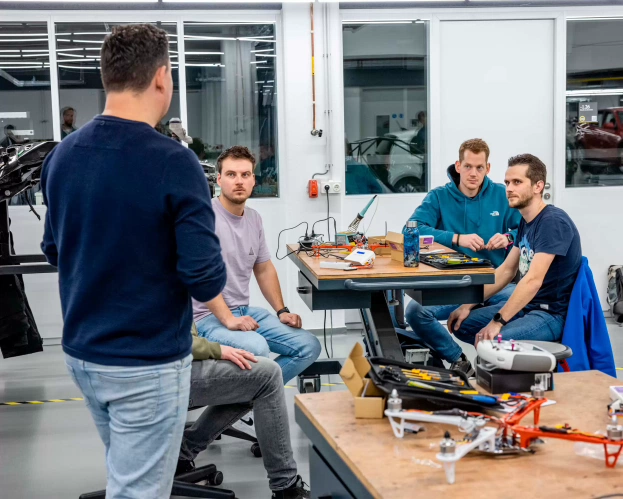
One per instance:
(599, 146)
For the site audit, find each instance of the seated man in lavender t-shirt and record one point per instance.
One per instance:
(228, 319)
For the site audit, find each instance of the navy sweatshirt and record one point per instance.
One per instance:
(130, 227)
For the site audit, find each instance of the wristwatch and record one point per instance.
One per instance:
(510, 238)
(284, 310)
(498, 318)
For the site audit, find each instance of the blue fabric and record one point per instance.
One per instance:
(139, 413)
(130, 227)
(427, 330)
(446, 211)
(585, 330)
(554, 233)
(297, 348)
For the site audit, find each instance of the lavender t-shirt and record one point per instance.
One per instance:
(243, 245)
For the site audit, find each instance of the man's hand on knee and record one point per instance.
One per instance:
(241, 358)
(457, 317)
(244, 323)
(291, 320)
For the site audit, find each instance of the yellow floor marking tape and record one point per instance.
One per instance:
(40, 402)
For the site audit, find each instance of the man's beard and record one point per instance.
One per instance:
(522, 202)
(235, 200)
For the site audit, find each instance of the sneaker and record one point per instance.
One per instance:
(184, 466)
(245, 425)
(298, 490)
(463, 365)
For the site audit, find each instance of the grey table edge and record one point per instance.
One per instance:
(329, 454)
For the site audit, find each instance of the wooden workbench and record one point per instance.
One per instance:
(371, 462)
(384, 268)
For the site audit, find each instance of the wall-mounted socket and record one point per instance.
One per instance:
(335, 186)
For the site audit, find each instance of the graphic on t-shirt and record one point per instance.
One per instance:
(251, 252)
(526, 254)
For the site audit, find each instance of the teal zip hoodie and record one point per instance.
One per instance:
(446, 211)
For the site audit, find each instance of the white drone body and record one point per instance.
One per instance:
(516, 356)
(361, 257)
(479, 437)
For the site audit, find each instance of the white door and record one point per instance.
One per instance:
(497, 84)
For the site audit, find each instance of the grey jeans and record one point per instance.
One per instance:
(229, 392)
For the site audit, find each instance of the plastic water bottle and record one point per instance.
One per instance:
(411, 244)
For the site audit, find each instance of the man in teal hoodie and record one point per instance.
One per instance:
(469, 214)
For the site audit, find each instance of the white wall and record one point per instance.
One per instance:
(493, 99)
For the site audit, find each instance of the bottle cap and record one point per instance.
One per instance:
(411, 224)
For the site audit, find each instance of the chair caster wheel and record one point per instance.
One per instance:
(309, 384)
(255, 450)
(215, 478)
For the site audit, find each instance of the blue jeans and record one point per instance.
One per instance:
(297, 348)
(427, 330)
(139, 413)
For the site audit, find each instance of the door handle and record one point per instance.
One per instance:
(547, 195)
(548, 186)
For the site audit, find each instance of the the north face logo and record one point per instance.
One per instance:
(251, 252)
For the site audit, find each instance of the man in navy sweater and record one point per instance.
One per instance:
(129, 224)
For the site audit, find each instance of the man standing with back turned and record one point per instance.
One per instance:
(128, 225)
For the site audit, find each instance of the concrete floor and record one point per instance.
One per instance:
(53, 450)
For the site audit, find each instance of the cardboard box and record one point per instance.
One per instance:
(369, 400)
(386, 251)
(396, 244)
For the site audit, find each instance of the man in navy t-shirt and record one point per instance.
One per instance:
(547, 253)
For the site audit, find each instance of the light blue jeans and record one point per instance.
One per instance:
(297, 348)
(139, 413)
(427, 330)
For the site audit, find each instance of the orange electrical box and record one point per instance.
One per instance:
(312, 188)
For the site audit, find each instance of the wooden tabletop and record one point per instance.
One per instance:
(384, 268)
(385, 464)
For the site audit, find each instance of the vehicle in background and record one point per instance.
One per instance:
(398, 159)
(599, 146)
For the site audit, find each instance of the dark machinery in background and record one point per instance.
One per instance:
(20, 170)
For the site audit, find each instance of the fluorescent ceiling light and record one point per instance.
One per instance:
(77, 49)
(35, 55)
(99, 42)
(206, 65)
(270, 81)
(197, 37)
(6, 51)
(78, 61)
(231, 1)
(204, 53)
(595, 91)
(24, 67)
(262, 50)
(268, 86)
(23, 34)
(264, 36)
(259, 62)
(260, 82)
(71, 55)
(265, 55)
(349, 23)
(78, 67)
(21, 40)
(84, 34)
(14, 115)
(262, 40)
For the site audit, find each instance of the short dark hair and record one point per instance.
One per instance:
(131, 55)
(537, 171)
(235, 152)
(474, 145)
